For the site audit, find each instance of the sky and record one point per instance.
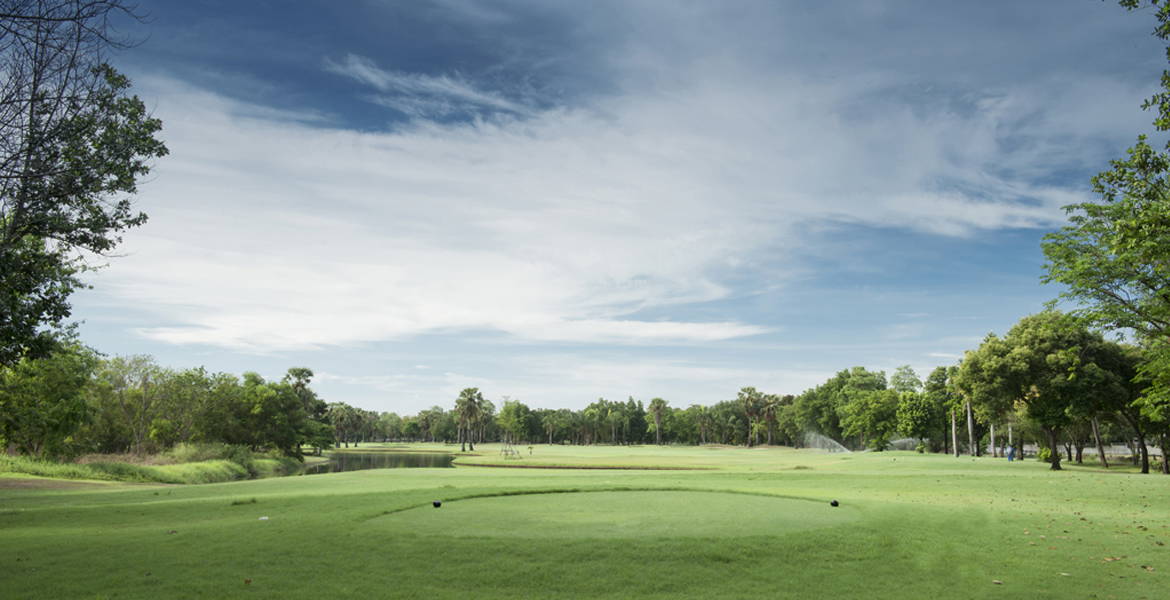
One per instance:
(561, 201)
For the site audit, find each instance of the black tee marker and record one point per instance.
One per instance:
(438, 503)
(833, 503)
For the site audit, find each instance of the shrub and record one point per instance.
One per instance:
(198, 452)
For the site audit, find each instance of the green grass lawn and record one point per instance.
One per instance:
(742, 524)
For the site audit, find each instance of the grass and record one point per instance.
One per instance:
(203, 471)
(751, 523)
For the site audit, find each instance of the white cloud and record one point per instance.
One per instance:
(422, 95)
(275, 231)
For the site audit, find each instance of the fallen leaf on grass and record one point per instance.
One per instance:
(1112, 558)
(1064, 574)
(1148, 568)
(996, 582)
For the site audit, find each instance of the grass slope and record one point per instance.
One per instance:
(754, 523)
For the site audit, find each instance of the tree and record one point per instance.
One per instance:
(872, 416)
(751, 402)
(132, 387)
(940, 391)
(390, 425)
(467, 409)
(42, 401)
(774, 404)
(316, 430)
(184, 396)
(657, 407)
(1048, 362)
(917, 416)
(819, 409)
(702, 418)
(487, 412)
(905, 379)
(1114, 256)
(1121, 394)
(345, 421)
(513, 419)
(73, 145)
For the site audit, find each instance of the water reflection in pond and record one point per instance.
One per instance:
(358, 461)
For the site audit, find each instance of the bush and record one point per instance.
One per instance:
(1044, 455)
(921, 447)
(198, 452)
(214, 451)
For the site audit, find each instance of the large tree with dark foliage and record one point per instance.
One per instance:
(73, 146)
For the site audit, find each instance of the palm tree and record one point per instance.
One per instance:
(595, 415)
(657, 406)
(467, 411)
(703, 420)
(484, 416)
(771, 406)
(549, 422)
(750, 402)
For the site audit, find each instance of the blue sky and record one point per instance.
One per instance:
(563, 201)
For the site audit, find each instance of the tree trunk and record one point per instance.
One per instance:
(1145, 453)
(954, 434)
(1054, 449)
(1080, 448)
(1163, 443)
(971, 431)
(1068, 451)
(994, 450)
(1100, 446)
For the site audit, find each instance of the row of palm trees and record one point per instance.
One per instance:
(761, 411)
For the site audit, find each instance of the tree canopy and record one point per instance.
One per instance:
(73, 146)
(1114, 255)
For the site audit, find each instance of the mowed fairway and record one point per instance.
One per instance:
(744, 524)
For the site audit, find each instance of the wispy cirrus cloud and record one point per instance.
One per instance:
(422, 95)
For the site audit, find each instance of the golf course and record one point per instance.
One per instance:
(655, 522)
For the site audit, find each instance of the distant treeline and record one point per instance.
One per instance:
(1050, 381)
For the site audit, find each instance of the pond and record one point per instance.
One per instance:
(358, 461)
